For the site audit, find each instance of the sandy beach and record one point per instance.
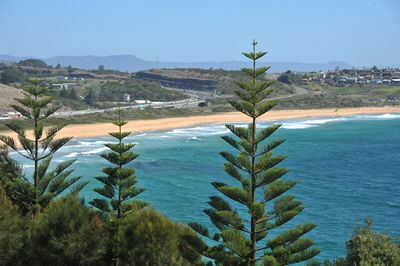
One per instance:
(138, 126)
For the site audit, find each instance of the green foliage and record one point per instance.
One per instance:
(67, 233)
(241, 239)
(36, 63)
(47, 185)
(137, 89)
(149, 238)
(284, 78)
(9, 168)
(12, 75)
(12, 231)
(18, 190)
(69, 93)
(119, 185)
(63, 93)
(369, 248)
(288, 78)
(91, 97)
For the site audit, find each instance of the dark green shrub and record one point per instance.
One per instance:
(149, 238)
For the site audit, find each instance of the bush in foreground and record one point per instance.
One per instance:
(67, 232)
(369, 248)
(150, 238)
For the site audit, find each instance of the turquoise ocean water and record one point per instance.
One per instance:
(348, 168)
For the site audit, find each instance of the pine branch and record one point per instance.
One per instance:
(51, 132)
(27, 145)
(240, 132)
(270, 146)
(54, 146)
(21, 110)
(16, 128)
(264, 107)
(35, 91)
(9, 141)
(231, 142)
(50, 111)
(277, 188)
(27, 101)
(266, 132)
(254, 56)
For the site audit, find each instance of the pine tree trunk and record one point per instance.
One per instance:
(36, 174)
(252, 260)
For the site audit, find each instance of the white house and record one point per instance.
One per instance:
(142, 101)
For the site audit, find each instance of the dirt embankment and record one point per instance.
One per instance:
(7, 95)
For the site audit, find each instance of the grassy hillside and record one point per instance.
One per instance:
(220, 80)
(137, 89)
(7, 95)
(210, 74)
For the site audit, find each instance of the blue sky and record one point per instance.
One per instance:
(360, 32)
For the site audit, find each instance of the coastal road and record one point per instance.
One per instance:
(192, 102)
(196, 97)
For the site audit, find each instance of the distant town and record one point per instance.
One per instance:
(340, 77)
(83, 91)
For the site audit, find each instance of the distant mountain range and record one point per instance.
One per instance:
(132, 63)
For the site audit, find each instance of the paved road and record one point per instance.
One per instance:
(192, 102)
(196, 97)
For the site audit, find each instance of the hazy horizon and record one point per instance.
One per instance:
(359, 33)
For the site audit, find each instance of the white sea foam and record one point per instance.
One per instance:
(323, 121)
(73, 154)
(219, 128)
(220, 132)
(139, 135)
(92, 143)
(98, 150)
(320, 121)
(387, 116)
(299, 125)
(192, 138)
(377, 116)
(214, 129)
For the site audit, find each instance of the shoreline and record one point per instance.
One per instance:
(140, 126)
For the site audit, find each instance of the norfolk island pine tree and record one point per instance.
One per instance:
(46, 185)
(242, 238)
(119, 187)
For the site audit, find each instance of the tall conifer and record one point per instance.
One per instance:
(243, 238)
(119, 185)
(45, 185)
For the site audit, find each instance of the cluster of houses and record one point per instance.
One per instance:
(11, 115)
(389, 76)
(63, 85)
